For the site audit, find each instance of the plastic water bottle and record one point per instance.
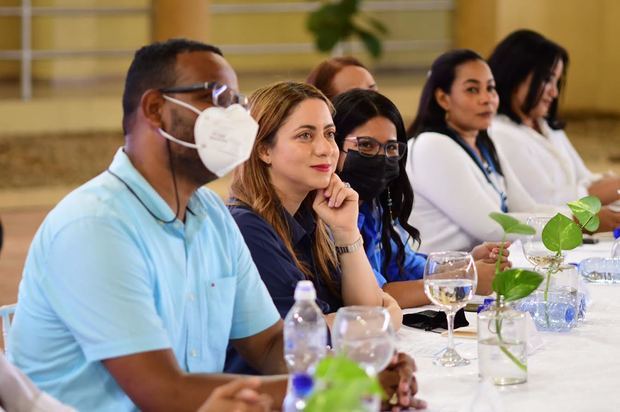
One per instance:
(305, 340)
(615, 249)
(558, 313)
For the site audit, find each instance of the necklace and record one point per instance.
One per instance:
(140, 200)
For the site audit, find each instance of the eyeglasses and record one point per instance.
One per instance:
(370, 147)
(221, 95)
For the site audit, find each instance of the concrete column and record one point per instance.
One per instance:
(187, 18)
(475, 25)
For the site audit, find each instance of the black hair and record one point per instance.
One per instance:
(153, 67)
(431, 117)
(353, 109)
(523, 52)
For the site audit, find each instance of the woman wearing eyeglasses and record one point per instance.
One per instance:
(370, 134)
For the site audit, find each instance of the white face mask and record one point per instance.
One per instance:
(224, 137)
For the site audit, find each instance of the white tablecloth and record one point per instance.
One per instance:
(574, 371)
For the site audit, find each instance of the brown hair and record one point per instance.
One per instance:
(251, 185)
(322, 75)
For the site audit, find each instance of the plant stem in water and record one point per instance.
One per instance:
(502, 345)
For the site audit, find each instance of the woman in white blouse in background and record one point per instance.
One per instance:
(529, 71)
(457, 175)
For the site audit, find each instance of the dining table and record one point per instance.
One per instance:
(577, 370)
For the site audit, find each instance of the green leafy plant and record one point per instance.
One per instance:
(511, 284)
(338, 21)
(562, 233)
(341, 385)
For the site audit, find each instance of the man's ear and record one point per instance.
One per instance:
(443, 99)
(151, 107)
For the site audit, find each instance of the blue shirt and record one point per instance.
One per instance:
(369, 224)
(277, 267)
(104, 279)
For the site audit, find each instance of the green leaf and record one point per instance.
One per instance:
(561, 233)
(341, 385)
(512, 225)
(585, 210)
(372, 42)
(377, 25)
(593, 224)
(349, 6)
(335, 22)
(338, 367)
(514, 284)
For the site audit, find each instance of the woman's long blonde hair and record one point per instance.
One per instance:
(251, 186)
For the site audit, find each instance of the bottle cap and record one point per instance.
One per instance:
(486, 304)
(302, 384)
(305, 290)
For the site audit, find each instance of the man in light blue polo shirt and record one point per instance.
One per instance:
(136, 281)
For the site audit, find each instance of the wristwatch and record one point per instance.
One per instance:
(350, 248)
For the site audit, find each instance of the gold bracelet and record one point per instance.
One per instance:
(350, 248)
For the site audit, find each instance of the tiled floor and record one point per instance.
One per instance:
(19, 228)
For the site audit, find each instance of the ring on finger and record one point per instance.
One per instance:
(347, 185)
(394, 399)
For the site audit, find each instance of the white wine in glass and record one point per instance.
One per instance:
(450, 279)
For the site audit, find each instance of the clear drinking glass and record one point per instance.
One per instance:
(533, 247)
(502, 345)
(450, 279)
(364, 334)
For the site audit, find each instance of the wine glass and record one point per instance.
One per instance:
(364, 334)
(450, 279)
(534, 249)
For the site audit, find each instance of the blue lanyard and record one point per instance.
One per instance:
(503, 200)
(487, 156)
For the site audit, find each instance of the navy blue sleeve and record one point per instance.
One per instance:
(274, 262)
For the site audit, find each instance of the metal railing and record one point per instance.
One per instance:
(26, 54)
(352, 46)
(306, 6)
(26, 12)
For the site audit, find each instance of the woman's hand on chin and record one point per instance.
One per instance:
(337, 206)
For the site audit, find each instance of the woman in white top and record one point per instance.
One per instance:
(457, 175)
(529, 71)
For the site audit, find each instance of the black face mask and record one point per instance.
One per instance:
(369, 176)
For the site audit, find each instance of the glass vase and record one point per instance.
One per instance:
(502, 345)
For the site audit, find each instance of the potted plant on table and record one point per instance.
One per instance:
(557, 310)
(502, 333)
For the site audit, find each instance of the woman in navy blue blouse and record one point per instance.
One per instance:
(297, 217)
(371, 136)
(293, 210)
